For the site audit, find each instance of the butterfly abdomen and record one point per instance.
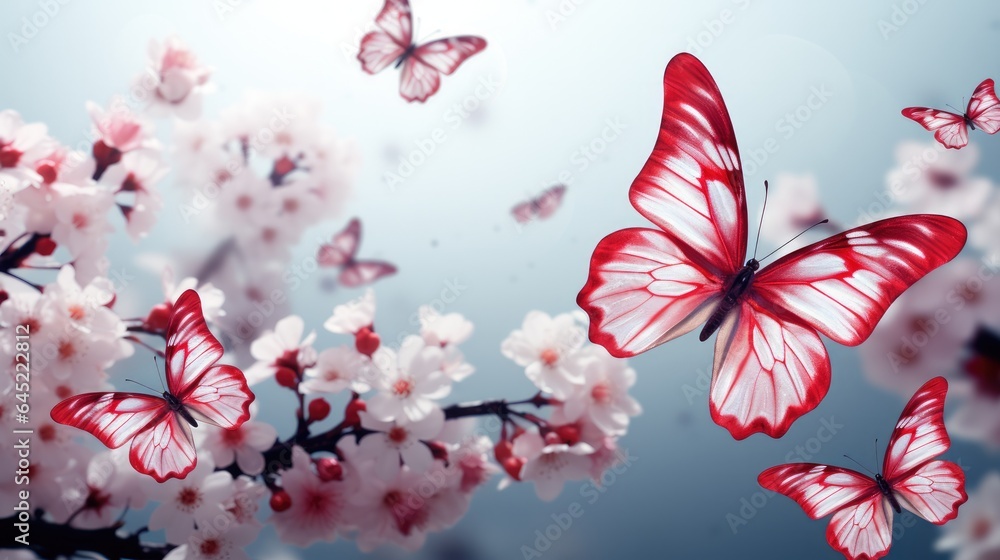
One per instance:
(886, 489)
(734, 291)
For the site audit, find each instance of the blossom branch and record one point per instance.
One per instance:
(57, 540)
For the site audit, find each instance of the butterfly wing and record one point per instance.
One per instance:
(162, 446)
(114, 418)
(984, 108)
(949, 128)
(861, 527)
(421, 76)
(523, 212)
(164, 451)
(359, 273)
(550, 201)
(381, 47)
(842, 285)
(217, 394)
(646, 286)
(342, 247)
(768, 372)
(932, 489)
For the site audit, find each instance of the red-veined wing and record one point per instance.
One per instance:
(114, 418)
(191, 347)
(381, 47)
(819, 489)
(446, 55)
(984, 108)
(949, 129)
(842, 285)
(342, 247)
(221, 396)
(862, 531)
(768, 372)
(692, 184)
(919, 435)
(418, 81)
(934, 491)
(164, 451)
(523, 212)
(643, 290)
(359, 273)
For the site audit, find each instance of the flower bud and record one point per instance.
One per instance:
(366, 341)
(319, 409)
(286, 378)
(329, 469)
(280, 501)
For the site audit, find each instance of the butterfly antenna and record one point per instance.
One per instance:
(953, 107)
(141, 384)
(159, 374)
(819, 223)
(860, 465)
(761, 224)
(877, 467)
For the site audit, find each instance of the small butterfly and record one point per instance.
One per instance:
(341, 252)
(540, 207)
(951, 129)
(648, 286)
(422, 65)
(862, 507)
(159, 427)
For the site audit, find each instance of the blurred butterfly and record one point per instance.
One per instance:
(952, 129)
(341, 252)
(540, 207)
(159, 427)
(649, 286)
(423, 64)
(862, 507)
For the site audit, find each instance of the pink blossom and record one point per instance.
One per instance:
(551, 465)
(195, 499)
(119, 128)
(393, 442)
(20, 146)
(338, 369)
(408, 383)
(284, 347)
(319, 509)
(548, 348)
(243, 445)
(209, 543)
(943, 183)
(443, 330)
(975, 534)
(137, 175)
(176, 78)
(603, 397)
(351, 317)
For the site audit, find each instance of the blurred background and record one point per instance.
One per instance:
(570, 91)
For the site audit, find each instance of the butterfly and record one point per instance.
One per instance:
(951, 129)
(343, 249)
(159, 428)
(862, 507)
(423, 64)
(648, 286)
(540, 207)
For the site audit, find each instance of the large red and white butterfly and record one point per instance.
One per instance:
(952, 129)
(648, 286)
(342, 252)
(423, 64)
(539, 207)
(159, 428)
(862, 507)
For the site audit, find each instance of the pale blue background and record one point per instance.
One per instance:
(559, 85)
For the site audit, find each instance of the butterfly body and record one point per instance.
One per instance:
(886, 489)
(737, 287)
(342, 253)
(406, 54)
(178, 408)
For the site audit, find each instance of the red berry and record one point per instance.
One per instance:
(158, 318)
(319, 409)
(351, 414)
(48, 171)
(280, 501)
(367, 341)
(286, 378)
(45, 246)
(106, 155)
(513, 466)
(329, 469)
(503, 450)
(569, 434)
